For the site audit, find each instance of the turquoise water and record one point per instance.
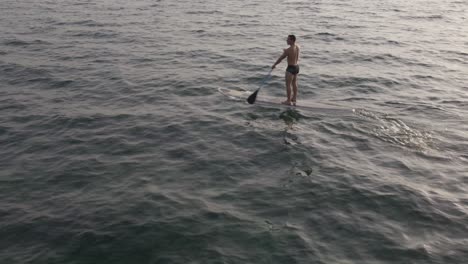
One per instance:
(116, 146)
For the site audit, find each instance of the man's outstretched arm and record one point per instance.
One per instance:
(280, 59)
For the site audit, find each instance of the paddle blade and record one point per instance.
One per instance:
(252, 97)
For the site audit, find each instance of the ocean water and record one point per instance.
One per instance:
(116, 146)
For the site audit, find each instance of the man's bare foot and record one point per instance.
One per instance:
(287, 102)
(293, 101)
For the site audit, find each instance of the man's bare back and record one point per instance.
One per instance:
(292, 53)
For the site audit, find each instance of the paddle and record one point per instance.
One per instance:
(253, 96)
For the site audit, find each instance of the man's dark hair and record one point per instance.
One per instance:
(292, 37)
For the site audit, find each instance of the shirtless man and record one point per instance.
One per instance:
(293, 69)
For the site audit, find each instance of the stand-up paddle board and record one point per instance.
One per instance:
(264, 100)
(261, 100)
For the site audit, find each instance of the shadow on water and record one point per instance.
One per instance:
(290, 117)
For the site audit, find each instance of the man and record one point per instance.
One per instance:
(292, 53)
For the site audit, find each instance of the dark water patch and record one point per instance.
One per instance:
(205, 34)
(456, 60)
(290, 139)
(459, 103)
(380, 58)
(383, 41)
(140, 60)
(426, 77)
(16, 73)
(353, 99)
(394, 42)
(327, 36)
(433, 156)
(18, 42)
(424, 17)
(95, 137)
(198, 31)
(33, 77)
(396, 202)
(340, 130)
(57, 84)
(204, 55)
(84, 3)
(434, 109)
(15, 43)
(87, 23)
(429, 17)
(351, 26)
(359, 84)
(102, 34)
(11, 104)
(234, 24)
(457, 57)
(364, 89)
(457, 53)
(344, 209)
(195, 91)
(204, 12)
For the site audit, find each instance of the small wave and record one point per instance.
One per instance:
(325, 34)
(380, 41)
(199, 12)
(35, 76)
(352, 99)
(328, 37)
(16, 71)
(79, 22)
(430, 17)
(354, 26)
(394, 42)
(94, 34)
(386, 57)
(11, 104)
(15, 43)
(357, 83)
(87, 23)
(458, 103)
(457, 53)
(18, 42)
(425, 77)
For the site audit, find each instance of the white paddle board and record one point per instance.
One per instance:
(276, 102)
(243, 95)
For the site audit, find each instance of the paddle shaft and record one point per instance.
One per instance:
(253, 96)
(265, 79)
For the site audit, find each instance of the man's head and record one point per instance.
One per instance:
(291, 39)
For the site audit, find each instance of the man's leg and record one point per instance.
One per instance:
(289, 78)
(294, 89)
